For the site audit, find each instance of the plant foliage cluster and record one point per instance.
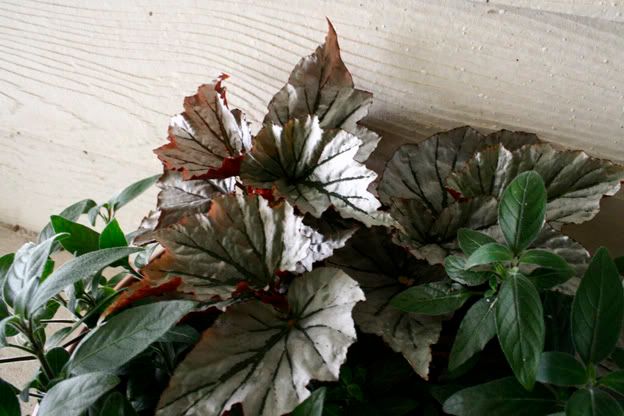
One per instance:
(279, 276)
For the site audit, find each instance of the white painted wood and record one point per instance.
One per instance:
(86, 88)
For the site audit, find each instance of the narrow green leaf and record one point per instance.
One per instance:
(112, 236)
(132, 191)
(73, 396)
(313, 405)
(116, 405)
(520, 327)
(489, 253)
(548, 260)
(522, 209)
(57, 358)
(476, 329)
(455, 267)
(545, 279)
(431, 299)
(81, 239)
(76, 270)
(613, 381)
(126, 335)
(5, 265)
(500, 398)
(561, 369)
(598, 309)
(470, 240)
(72, 213)
(592, 402)
(9, 405)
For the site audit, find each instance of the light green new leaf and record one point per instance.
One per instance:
(73, 396)
(613, 381)
(438, 298)
(29, 264)
(264, 358)
(455, 267)
(598, 309)
(488, 254)
(125, 335)
(561, 369)
(313, 405)
(240, 238)
(71, 213)
(313, 169)
(112, 236)
(503, 397)
(9, 405)
(321, 85)
(383, 270)
(207, 140)
(592, 402)
(470, 240)
(548, 260)
(476, 329)
(81, 239)
(522, 209)
(75, 270)
(520, 327)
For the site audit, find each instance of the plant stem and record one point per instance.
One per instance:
(57, 321)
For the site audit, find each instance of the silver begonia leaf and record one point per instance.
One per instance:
(241, 238)
(383, 270)
(575, 182)
(321, 85)
(313, 169)
(207, 140)
(178, 198)
(264, 358)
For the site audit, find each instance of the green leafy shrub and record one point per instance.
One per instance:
(271, 279)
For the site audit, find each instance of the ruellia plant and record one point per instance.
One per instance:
(277, 275)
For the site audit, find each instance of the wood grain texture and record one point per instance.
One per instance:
(86, 88)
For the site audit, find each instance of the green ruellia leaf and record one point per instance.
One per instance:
(613, 381)
(264, 358)
(592, 402)
(520, 327)
(27, 267)
(598, 309)
(438, 298)
(547, 260)
(131, 192)
(455, 267)
(501, 397)
(313, 169)
(9, 405)
(125, 335)
(321, 85)
(313, 405)
(575, 182)
(522, 209)
(383, 270)
(73, 396)
(208, 139)
(71, 213)
(116, 405)
(179, 198)
(470, 240)
(476, 329)
(240, 238)
(487, 254)
(75, 270)
(112, 236)
(81, 239)
(561, 369)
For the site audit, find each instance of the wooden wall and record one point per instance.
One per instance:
(86, 87)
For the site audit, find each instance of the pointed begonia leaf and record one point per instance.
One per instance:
(383, 270)
(414, 185)
(313, 169)
(321, 85)
(207, 140)
(322, 246)
(575, 182)
(178, 198)
(241, 238)
(263, 358)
